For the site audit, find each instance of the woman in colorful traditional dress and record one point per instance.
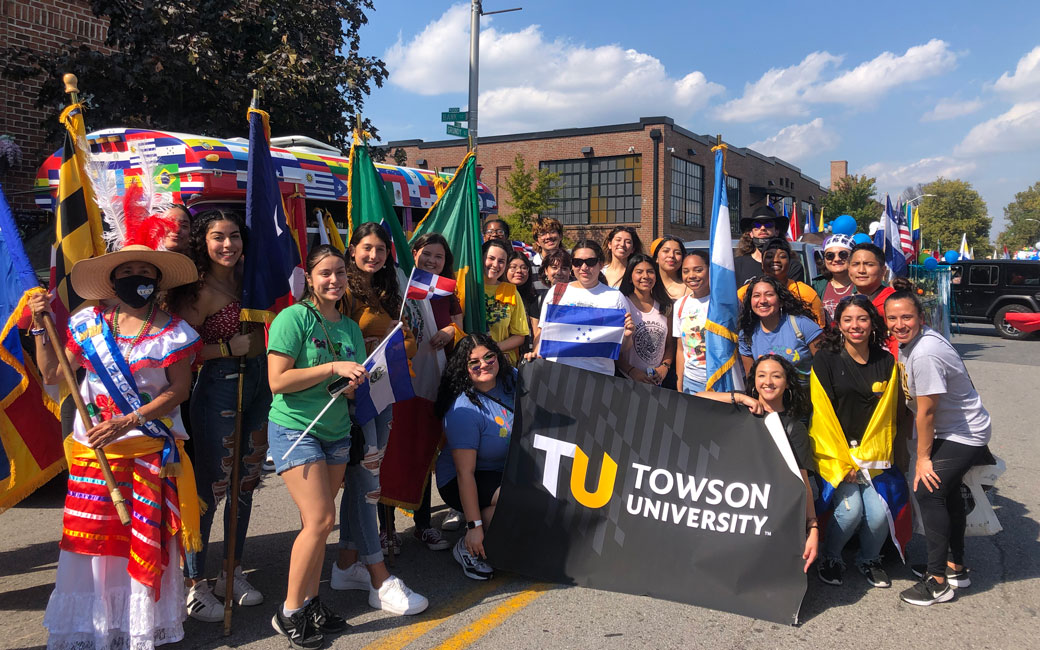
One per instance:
(118, 586)
(506, 316)
(213, 306)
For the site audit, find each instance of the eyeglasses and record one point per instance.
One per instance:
(496, 231)
(590, 262)
(841, 255)
(488, 359)
(762, 224)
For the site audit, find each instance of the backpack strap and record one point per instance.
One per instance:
(794, 326)
(558, 291)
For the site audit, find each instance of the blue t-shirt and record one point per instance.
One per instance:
(784, 341)
(485, 428)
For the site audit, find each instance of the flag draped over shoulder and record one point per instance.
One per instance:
(370, 203)
(456, 215)
(835, 459)
(30, 431)
(272, 275)
(78, 227)
(720, 330)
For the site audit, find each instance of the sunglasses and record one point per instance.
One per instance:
(762, 224)
(488, 359)
(856, 297)
(590, 262)
(841, 255)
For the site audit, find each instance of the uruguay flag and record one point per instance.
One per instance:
(720, 330)
(389, 379)
(423, 285)
(570, 331)
(887, 238)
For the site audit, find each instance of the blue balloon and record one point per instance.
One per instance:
(930, 263)
(861, 238)
(844, 225)
(951, 257)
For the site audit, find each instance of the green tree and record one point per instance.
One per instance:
(530, 193)
(955, 210)
(856, 197)
(1022, 217)
(191, 66)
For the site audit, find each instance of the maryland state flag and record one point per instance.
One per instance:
(78, 233)
(456, 215)
(272, 273)
(30, 432)
(370, 203)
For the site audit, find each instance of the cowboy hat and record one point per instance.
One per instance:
(92, 278)
(764, 213)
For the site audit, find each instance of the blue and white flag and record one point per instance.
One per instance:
(570, 331)
(720, 329)
(887, 238)
(389, 379)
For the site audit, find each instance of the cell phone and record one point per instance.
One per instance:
(338, 385)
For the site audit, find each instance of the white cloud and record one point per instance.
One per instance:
(1016, 130)
(798, 140)
(789, 91)
(1025, 81)
(949, 108)
(894, 177)
(530, 83)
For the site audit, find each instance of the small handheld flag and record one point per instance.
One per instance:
(423, 285)
(389, 379)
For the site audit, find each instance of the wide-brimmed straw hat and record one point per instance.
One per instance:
(92, 278)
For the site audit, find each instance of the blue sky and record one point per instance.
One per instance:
(905, 91)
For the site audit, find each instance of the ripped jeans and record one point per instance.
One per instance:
(213, 407)
(358, 526)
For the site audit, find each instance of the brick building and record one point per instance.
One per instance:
(629, 173)
(42, 25)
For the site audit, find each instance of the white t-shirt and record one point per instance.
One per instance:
(931, 366)
(688, 318)
(648, 337)
(600, 296)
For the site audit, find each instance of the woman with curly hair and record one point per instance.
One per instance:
(852, 373)
(772, 320)
(506, 315)
(776, 261)
(620, 244)
(212, 306)
(476, 400)
(648, 354)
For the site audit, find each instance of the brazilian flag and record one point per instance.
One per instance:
(369, 203)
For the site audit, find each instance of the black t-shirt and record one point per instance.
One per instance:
(798, 437)
(854, 389)
(746, 267)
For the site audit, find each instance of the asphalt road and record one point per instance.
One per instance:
(998, 611)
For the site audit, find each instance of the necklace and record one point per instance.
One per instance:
(145, 326)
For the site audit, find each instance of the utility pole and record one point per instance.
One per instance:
(475, 12)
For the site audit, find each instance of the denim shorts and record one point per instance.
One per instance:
(310, 450)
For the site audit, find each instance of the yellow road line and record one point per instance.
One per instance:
(405, 635)
(472, 633)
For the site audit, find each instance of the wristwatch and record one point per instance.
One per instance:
(470, 525)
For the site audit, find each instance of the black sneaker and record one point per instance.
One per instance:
(302, 633)
(323, 618)
(829, 572)
(927, 592)
(875, 575)
(957, 579)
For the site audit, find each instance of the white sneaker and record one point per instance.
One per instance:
(472, 566)
(268, 464)
(245, 593)
(395, 597)
(203, 605)
(354, 577)
(453, 521)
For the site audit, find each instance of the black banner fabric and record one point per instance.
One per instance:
(623, 486)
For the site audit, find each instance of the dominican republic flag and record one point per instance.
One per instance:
(569, 331)
(389, 379)
(723, 366)
(423, 285)
(887, 238)
(525, 248)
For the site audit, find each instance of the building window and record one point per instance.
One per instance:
(448, 170)
(597, 190)
(733, 198)
(687, 207)
(781, 204)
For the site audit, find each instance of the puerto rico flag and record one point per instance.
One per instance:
(423, 285)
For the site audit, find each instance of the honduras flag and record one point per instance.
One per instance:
(720, 330)
(389, 379)
(571, 331)
(887, 238)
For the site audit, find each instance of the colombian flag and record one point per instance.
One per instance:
(30, 431)
(835, 459)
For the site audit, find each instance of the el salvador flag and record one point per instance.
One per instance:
(887, 239)
(570, 331)
(724, 369)
(389, 379)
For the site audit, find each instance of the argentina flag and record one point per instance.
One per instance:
(720, 330)
(571, 331)
(389, 379)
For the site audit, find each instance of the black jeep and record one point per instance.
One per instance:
(985, 290)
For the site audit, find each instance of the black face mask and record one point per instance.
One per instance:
(760, 242)
(135, 290)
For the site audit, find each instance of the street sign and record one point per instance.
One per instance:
(455, 115)
(460, 131)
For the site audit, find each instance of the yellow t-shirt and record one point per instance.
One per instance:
(506, 315)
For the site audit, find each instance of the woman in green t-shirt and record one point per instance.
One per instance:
(311, 345)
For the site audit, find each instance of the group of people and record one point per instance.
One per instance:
(165, 313)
